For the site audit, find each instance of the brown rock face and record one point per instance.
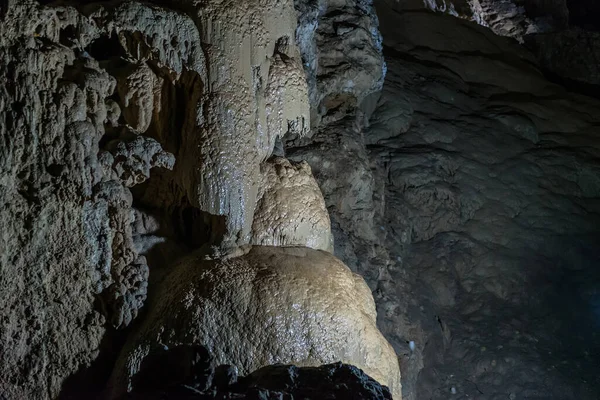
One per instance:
(272, 305)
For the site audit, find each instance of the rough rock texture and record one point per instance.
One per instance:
(97, 95)
(68, 160)
(479, 179)
(255, 92)
(352, 67)
(331, 381)
(290, 210)
(272, 305)
(216, 97)
(466, 193)
(136, 86)
(489, 218)
(351, 53)
(562, 34)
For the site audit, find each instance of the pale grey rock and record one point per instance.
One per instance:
(131, 157)
(168, 39)
(136, 86)
(224, 106)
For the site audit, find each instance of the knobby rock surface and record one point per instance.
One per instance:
(164, 164)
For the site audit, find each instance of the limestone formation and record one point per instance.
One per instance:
(253, 94)
(481, 194)
(272, 305)
(290, 209)
(136, 87)
(464, 131)
(150, 151)
(65, 199)
(341, 50)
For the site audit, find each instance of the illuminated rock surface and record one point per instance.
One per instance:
(272, 305)
(455, 177)
(290, 210)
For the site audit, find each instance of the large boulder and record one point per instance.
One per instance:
(202, 382)
(271, 305)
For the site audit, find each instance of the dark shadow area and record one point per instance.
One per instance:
(584, 13)
(89, 382)
(573, 86)
(106, 48)
(574, 313)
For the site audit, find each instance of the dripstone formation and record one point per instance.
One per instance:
(118, 116)
(196, 190)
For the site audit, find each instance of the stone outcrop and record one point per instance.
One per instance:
(67, 240)
(341, 53)
(341, 47)
(480, 190)
(98, 95)
(271, 305)
(465, 114)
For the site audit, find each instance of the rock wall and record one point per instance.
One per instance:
(458, 180)
(97, 95)
(66, 218)
(512, 18)
(478, 177)
(467, 198)
(492, 180)
(562, 33)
